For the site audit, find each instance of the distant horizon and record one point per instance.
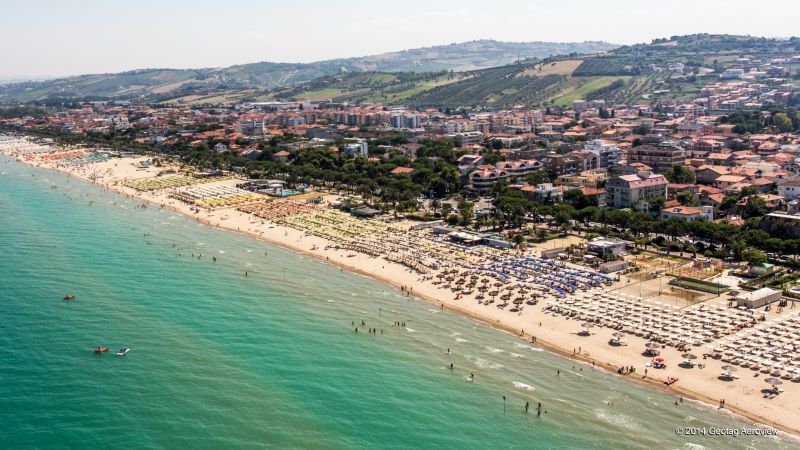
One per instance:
(89, 36)
(45, 77)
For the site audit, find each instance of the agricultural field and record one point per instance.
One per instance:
(582, 86)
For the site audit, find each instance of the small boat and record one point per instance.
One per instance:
(123, 351)
(101, 349)
(670, 380)
(69, 296)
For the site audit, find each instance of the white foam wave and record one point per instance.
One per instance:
(523, 386)
(484, 364)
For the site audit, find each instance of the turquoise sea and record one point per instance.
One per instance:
(219, 360)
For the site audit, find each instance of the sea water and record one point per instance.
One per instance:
(271, 359)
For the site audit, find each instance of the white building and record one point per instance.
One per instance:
(689, 213)
(607, 153)
(759, 298)
(358, 148)
(250, 127)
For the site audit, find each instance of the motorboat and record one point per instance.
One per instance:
(123, 351)
(101, 349)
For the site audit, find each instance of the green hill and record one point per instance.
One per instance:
(265, 75)
(628, 74)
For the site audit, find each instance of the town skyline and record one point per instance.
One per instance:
(115, 38)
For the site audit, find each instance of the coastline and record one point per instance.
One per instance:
(362, 263)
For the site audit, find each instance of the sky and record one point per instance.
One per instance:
(68, 37)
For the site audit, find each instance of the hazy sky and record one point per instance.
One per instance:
(61, 37)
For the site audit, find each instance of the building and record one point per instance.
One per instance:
(250, 127)
(759, 298)
(358, 148)
(789, 189)
(519, 168)
(732, 74)
(689, 213)
(633, 191)
(483, 179)
(606, 246)
(466, 138)
(607, 153)
(411, 121)
(661, 157)
(789, 223)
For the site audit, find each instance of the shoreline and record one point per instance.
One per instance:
(544, 343)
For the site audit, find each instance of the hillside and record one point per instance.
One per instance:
(629, 74)
(265, 75)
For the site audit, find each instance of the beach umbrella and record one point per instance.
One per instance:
(652, 345)
(773, 381)
(587, 325)
(688, 356)
(659, 359)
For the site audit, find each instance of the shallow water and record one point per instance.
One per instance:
(220, 360)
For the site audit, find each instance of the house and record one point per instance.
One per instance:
(688, 213)
(726, 181)
(789, 189)
(281, 156)
(721, 159)
(219, 148)
(709, 174)
(762, 269)
(401, 171)
(470, 160)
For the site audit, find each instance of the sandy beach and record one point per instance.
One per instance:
(418, 276)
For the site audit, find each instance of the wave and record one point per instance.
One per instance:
(484, 364)
(523, 386)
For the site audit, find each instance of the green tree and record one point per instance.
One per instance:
(686, 198)
(680, 175)
(753, 256)
(782, 122)
(466, 209)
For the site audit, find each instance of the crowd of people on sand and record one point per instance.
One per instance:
(273, 209)
(167, 182)
(215, 196)
(22, 147)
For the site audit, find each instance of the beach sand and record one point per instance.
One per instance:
(554, 333)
